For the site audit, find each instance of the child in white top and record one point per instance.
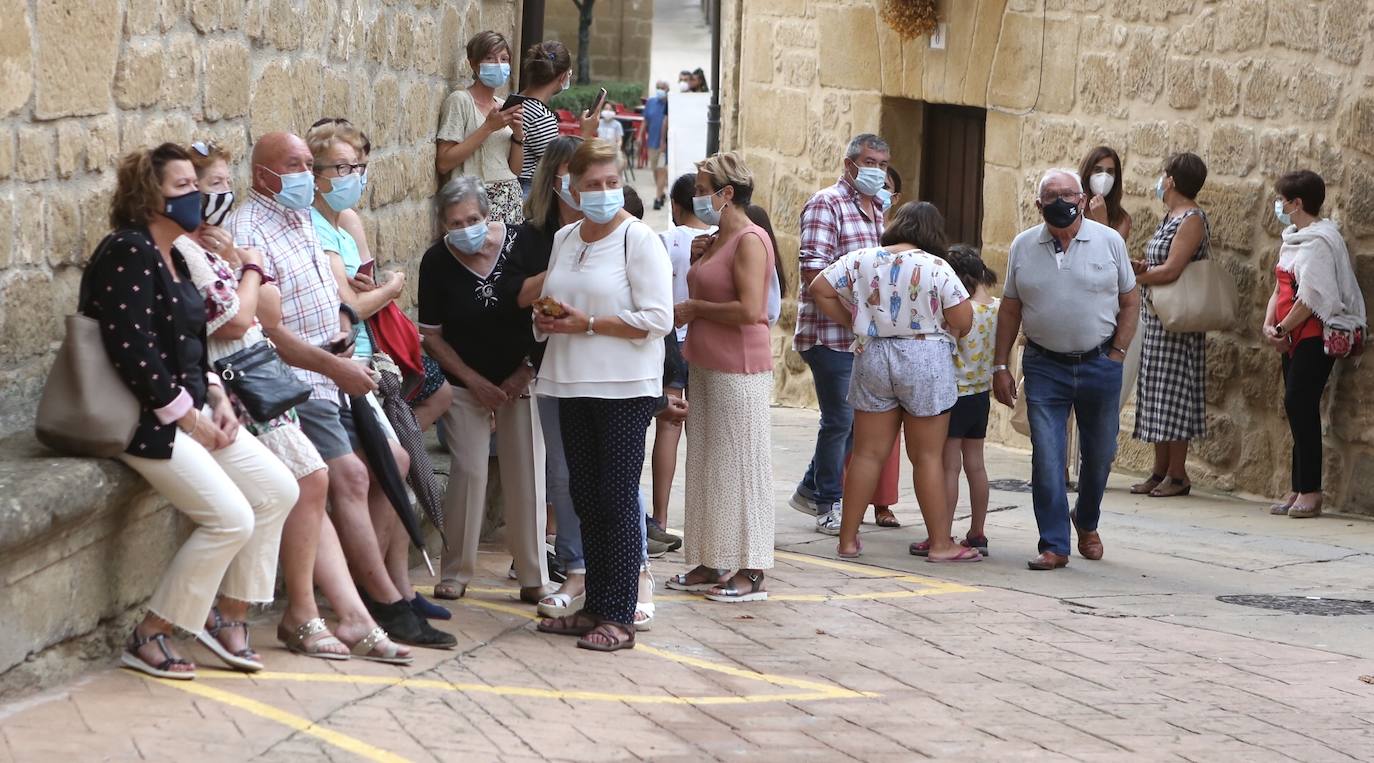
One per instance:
(968, 421)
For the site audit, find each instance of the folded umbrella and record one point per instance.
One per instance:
(377, 451)
(407, 430)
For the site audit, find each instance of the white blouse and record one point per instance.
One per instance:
(627, 275)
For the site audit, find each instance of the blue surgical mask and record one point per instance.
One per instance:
(297, 189)
(661, 93)
(601, 206)
(705, 210)
(363, 180)
(884, 197)
(346, 192)
(870, 180)
(184, 210)
(468, 240)
(1159, 188)
(493, 75)
(1283, 216)
(565, 194)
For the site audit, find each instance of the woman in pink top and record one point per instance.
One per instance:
(729, 513)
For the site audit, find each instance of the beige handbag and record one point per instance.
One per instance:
(1020, 414)
(1203, 298)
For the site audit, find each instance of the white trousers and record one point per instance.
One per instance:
(238, 497)
(520, 452)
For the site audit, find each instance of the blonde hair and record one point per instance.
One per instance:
(729, 169)
(322, 137)
(594, 151)
(213, 152)
(541, 207)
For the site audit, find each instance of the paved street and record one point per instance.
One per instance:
(889, 658)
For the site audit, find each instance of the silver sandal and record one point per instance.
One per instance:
(729, 593)
(372, 641)
(296, 643)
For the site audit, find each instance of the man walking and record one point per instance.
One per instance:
(656, 138)
(1071, 289)
(837, 220)
(276, 220)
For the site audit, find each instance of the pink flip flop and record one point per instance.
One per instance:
(965, 555)
(850, 555)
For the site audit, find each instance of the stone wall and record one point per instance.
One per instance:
(1255, 87)
(84, 81)
(622, 35)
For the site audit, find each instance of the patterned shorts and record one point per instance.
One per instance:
(916, 374)
(434, 379)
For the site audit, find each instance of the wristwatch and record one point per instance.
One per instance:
(1279, 329)
(591, 325)
(351, 313)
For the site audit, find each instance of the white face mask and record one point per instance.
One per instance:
(1101, 183)
(567, 82)
(682, 86)
(607, 115)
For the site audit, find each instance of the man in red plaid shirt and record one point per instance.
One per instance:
(837, 220)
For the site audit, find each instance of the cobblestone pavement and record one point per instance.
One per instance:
(887, 658)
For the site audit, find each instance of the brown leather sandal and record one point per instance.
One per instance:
(613, 637)
(1146, 487)
(578, 623)
(883, 517)
(1171, 488)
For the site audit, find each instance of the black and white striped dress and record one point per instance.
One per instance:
(1170, 393)
(541, 127)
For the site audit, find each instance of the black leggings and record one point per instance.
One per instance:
(604, 444)
(1304, 377)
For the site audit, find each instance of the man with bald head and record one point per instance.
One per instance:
(1071, 289)
(315, 335)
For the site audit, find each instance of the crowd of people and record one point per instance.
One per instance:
(557, 327)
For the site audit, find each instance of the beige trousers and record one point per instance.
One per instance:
(238, 497)
(520, 451)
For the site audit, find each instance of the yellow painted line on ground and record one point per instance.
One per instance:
(817, 691)
(263, 710)
(934, 587)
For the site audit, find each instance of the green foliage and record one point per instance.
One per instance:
(579, 98)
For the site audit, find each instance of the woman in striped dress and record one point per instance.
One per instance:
(1171, 408)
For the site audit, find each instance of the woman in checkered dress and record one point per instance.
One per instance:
(1171, 408)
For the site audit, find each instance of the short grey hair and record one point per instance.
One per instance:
(862, 141)
(462, 188)
(1051, 174)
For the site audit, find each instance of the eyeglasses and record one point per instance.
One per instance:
(330, 121)
(343, 169)
(1072, 196)
(581, 260)
(204, 148)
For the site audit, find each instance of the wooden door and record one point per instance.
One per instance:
(952, 168)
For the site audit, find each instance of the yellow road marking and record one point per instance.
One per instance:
(303, 725)
(933, 587)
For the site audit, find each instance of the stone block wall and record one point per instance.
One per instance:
(84, 81)
(622, 35)
(1255, 87)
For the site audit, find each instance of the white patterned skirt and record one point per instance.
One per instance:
(729, 513)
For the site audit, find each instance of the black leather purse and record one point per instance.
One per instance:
(262, 382)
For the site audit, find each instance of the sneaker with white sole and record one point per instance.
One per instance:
(803, 504)
(829, 522)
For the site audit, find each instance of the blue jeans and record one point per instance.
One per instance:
(824, 480)
(568, 545)
(1092, 390)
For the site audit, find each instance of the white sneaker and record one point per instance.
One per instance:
(829, 522)
(803, 504)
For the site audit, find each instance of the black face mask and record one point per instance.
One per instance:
(184, 210)
(1060, 213)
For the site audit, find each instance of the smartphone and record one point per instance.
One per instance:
(596, 106)
(367, 268)
(514, 100)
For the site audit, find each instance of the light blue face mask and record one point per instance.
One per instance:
(345, 193)
(1283, 216)
(565, 194)
(705, 210)
(1159, 188)
(601, 206)
(870, 180)
(884, 197)
(493, 75)
(468, 240)
(297, 189)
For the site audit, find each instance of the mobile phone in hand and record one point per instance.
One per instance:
(596, 105)
(367, 268)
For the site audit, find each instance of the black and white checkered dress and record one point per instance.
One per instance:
(1170, 400)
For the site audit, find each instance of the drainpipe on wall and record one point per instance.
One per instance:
(713, 113)
(531, 31)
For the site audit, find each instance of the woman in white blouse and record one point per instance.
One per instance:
(606, 305)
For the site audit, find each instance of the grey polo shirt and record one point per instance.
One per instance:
(1069, 302)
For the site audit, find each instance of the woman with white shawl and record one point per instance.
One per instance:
(1315, 315)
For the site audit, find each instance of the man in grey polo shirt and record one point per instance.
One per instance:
(1070, 288)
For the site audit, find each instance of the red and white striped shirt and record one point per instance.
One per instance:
(832, 225)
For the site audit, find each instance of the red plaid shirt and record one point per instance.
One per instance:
(832, 225)
(292, 255)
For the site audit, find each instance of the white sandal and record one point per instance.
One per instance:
(560, 604)
(645, 608)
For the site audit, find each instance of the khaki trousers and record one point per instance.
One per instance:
(520, 452)
(238, 497)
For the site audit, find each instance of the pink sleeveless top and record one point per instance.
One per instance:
(743, 349)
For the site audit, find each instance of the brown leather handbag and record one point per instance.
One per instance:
(86, 408)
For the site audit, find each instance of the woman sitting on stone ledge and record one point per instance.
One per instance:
(188, 445)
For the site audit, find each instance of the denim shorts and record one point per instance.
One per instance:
(916, 374)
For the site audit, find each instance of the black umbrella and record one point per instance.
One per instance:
(377, 451)
(407, 429)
